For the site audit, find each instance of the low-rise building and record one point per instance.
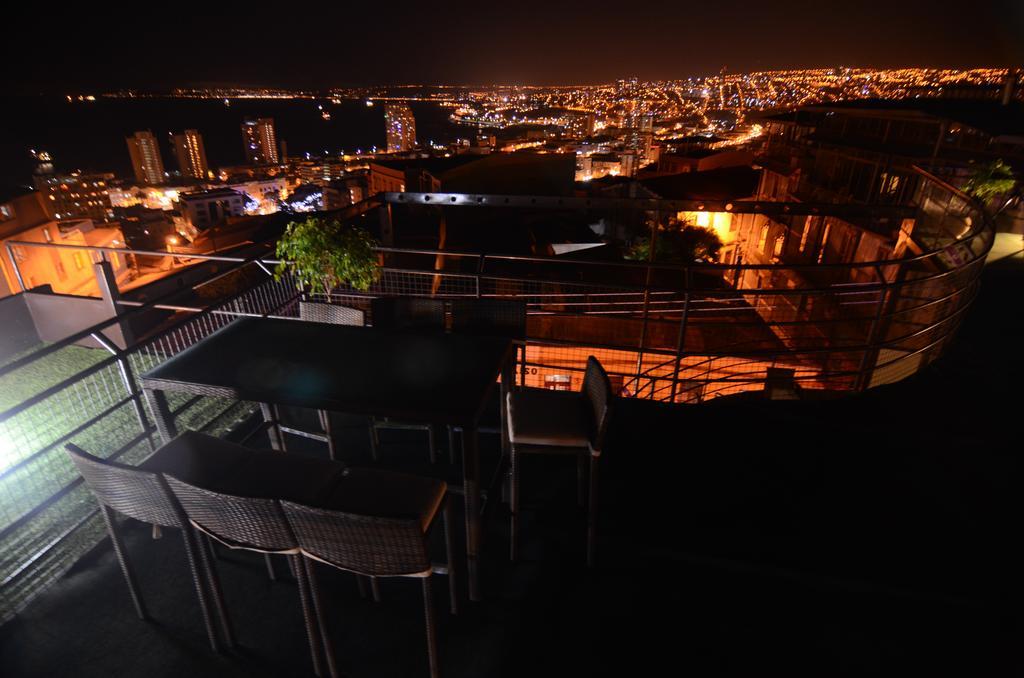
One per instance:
(24, 219)
(204, 209)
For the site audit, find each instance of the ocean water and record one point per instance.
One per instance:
(90, 135)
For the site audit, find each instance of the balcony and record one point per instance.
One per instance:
(723, 521)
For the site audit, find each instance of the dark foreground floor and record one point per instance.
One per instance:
(875, 535)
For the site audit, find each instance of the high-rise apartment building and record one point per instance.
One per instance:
(401, 128)
(191, 153)
(580, 125)
(640, 133)
(260, 141)
(146, 162)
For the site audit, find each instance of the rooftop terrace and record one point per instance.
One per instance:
(721, 505)
(739, 539)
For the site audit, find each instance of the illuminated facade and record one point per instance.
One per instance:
(24, 218)
(145, 154)
(401, 128)
(191, 153)
(580, 125)
(209, 208)
(640, 134)
(260, 141)
(75, 195)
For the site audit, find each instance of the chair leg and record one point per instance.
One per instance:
(361, 584)
(122, 559)
(191, 547)
(453, 453)
(210, 570)
(271, 574)
(453, 584)
(375, 589)
(274, 432)
(581, 480)
(432, 444)
(325, 424)
(513, 503)
(321, 615)
(374, 440)
(592, 513)
(312, 626)
(428, 608)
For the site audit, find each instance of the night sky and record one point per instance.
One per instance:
(49, 48)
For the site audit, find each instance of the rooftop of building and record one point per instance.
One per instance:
(727, 183)
(211, 193)
(9, 193)
(985, 115)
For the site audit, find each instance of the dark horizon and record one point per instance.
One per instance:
(532, 44)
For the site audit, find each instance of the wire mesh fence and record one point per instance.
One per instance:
(89, 395)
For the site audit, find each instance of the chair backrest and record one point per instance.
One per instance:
(318, 312)
(597, 389)
(376, 547)
(408, 313)
(138, 494)
(490, 317)
(239, 522)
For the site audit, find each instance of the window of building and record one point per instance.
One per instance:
(762, 239)
(79, 259)
(780, 241)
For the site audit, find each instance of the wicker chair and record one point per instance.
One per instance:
(406, 313)
(561, 422)
(255, 524)
(377, 524)
(489, 318)
(141, 493)
(297, 421)
(333, 314)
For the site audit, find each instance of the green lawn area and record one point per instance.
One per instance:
(34, 377)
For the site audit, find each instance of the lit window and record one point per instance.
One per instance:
(780, 240)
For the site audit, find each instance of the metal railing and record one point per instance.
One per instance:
(681, 334)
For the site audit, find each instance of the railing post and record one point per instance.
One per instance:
(14, 265)
(479, 270)
(681, 340)
(130, 385)
(863, 380)
(647, 299)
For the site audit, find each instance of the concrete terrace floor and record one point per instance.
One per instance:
(873, 535)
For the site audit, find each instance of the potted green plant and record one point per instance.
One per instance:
(324, 254)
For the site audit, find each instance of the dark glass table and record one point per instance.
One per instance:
(442, 379)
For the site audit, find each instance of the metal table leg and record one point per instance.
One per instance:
(471, 487)
(162, 413)
(276, 435)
